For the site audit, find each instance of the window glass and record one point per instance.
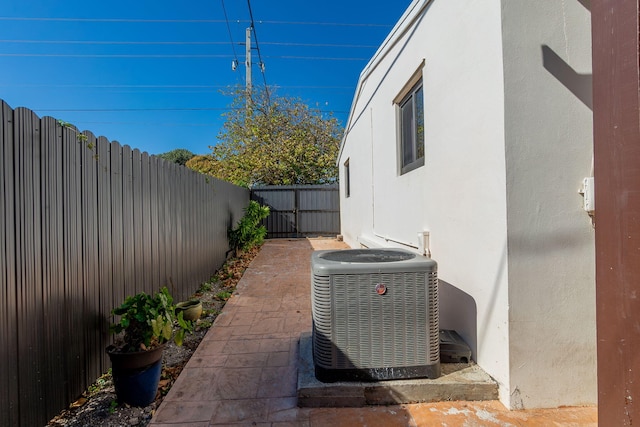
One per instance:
(419, 107)
(347, 179)
(411, 122)
(407, 131)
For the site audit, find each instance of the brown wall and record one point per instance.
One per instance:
(617, 182)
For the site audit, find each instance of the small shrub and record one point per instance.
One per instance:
(102, 381)
(206, 287)
(249, 232)
(204, 324)
(223, 295)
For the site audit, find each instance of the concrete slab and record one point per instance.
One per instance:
(459, 381)
(227, 364)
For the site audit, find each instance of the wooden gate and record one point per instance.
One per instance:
(300, 210)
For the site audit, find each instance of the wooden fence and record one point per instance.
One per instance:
(83, 224)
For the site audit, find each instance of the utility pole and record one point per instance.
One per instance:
(249, 86)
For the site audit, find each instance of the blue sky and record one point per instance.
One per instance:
(149, 74)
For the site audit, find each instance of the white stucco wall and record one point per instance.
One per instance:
(506, 148)
(551, 256)
(459, 194)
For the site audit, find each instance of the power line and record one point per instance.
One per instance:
(159, 123)
(118, 20)
(189, 21)
(92, 55)
(101, 42)
(235, 56)
(110, 110)
(116, 86)
(351, 46)
(127, 110)
(203, 56)
(319, 58)
(336, 24)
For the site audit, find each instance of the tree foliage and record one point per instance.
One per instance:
(274, 140)
(180, 156)
(202, 163)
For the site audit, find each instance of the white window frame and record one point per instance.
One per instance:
(408, 131)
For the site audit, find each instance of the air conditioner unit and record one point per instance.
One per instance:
(375, 315)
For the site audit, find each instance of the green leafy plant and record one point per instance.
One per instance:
(249, 233)
(206, 287)
(223, 295)
(204, 324)
(112, 406)
(82, 138)
(103, 381)
(147, 321)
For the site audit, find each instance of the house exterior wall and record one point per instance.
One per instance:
(459, 194)
(548, 139)
(468, 193)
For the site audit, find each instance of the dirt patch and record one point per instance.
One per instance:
(98, 407)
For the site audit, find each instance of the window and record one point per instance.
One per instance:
(347, 180)
(411, 129)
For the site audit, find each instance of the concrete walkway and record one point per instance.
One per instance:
(244, 371)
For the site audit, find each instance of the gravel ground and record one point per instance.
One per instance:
(98, 407)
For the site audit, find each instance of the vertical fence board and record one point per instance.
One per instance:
(163, 229)
(154, 245)
(73, 283)
(179, 224)
(174, 225)
(118, 289)
(104, 243)
(136, 225)
(53, 271)
(145, 246)
(90, 264)
(9, 402)
(30, 315)
(202, 238)
(187, 242)
(127, 219)
(81, 228)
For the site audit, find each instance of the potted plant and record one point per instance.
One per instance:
(191, 310)
(146, 324)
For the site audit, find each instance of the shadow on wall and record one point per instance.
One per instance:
(578, 84)
(458, 311)
(586, 4)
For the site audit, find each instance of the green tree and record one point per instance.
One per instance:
(275, 140)
(180, 156)
(201, 163)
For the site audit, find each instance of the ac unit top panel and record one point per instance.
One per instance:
(355, 261)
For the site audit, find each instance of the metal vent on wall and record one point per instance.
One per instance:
(375, 315)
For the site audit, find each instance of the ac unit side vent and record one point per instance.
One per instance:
(372, 320)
